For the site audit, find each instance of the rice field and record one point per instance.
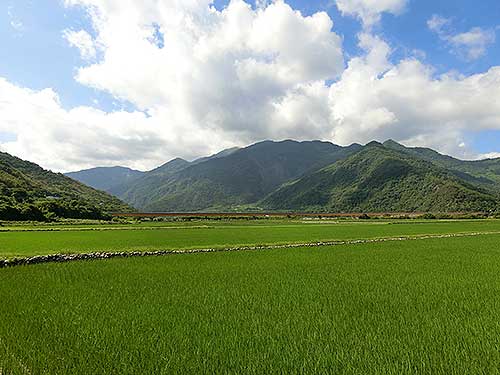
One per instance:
(400, 307)
(19, 242)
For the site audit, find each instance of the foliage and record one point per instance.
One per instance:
(485, 173)
(380, 179)
(244, 176)
(289, 176)
(28, 192)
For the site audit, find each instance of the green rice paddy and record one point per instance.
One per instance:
(430, 306)
(41, 241)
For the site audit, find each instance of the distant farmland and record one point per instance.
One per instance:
(280, 214)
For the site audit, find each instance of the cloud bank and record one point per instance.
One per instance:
(203, 79)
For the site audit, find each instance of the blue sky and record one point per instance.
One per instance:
(34, 54)
(37, 56)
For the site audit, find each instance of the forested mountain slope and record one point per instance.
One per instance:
(240, 178)
(318, 176)
(380, 179)
(29, 192)
(484, 172)
(106, 178)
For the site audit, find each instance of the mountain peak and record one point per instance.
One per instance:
(374, 144)
(392, 142)
(105, 178)
(176, 161)
(377, 176)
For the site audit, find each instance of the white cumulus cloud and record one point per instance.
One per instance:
(204, 79)
(375, 99)
(490, 155)
(370, 11)
(218, 79)
(83, 41)
(84, 137)
(470, 45)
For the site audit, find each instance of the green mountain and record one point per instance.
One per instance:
(218, 155)
(240, 177)
(313, 176)
(29, 192)
(485, 173)
(383, 179)
(138, 192)
(107, 179)
(118, 180)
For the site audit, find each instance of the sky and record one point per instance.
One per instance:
(87, 83)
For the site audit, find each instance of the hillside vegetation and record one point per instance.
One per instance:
(106, 178)
(318, 176)
(481, 172)
(382, 179)
(241, 178)
(29, 192)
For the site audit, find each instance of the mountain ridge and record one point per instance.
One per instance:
(257, 176)
(105, 178)
(240, 178)
(380, 179)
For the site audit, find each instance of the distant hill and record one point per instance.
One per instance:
(138, 192)
(317, 176)
(482, 172)
(117, 180)
(29, 192)
(380, 179)
(242, 177)
(106, 178)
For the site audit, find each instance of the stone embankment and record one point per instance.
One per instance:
(58, 258)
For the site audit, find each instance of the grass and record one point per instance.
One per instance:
(416, 307)
(28, 242)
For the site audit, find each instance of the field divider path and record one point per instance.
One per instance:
(58, 258)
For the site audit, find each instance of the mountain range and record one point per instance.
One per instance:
(29, 192)
(308, 176)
